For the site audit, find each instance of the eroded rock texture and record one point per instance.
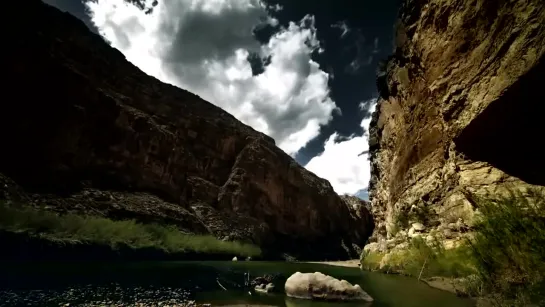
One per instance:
(461, 111)
(318, 286)
(84, 130)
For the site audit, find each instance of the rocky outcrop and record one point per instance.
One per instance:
(85, 131)
(323, 287)
(460, 114)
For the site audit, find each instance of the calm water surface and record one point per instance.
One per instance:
(48, 284)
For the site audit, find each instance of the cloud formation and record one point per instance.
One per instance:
(341, 25)
(342, 161)
(204, 46)
(361, 51)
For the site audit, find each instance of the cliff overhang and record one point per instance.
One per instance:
(459, 112)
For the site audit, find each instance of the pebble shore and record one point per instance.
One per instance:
(103, 296)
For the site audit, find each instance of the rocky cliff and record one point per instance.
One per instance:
(85, 131)
(460, 113)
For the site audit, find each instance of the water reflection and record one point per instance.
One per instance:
(163, 281)
(292, 302)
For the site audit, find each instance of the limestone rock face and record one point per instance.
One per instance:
(85, 130)
(460, 111)
(320, 286)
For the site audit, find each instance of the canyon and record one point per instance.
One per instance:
(86, 132)
(459, 116)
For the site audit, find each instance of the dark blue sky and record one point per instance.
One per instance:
(351, 59)
(369, 40)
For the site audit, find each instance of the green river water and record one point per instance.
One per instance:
(116, 284)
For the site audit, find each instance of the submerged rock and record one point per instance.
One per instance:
(264, 288)
(267, 279)
(320, 286)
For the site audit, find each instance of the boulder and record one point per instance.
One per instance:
(320, 286)
(418, 226)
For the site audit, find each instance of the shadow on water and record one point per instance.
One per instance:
(44, 284)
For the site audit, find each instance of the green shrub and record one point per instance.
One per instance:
(509, 248)
(423, 260)
(432, 259)
(71, 227)
(503, 260)
(370, 261)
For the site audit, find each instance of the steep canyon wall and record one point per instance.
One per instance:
(461, 113)
(85, 131)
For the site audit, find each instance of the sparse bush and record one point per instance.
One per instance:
(423, 260)
(509, 248)
(432, 259)
(71, 227)
(370, 261)
(401, 220)
(503, 260)
(395, 228)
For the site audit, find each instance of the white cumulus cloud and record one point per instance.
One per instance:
(203, 46)
(342, 162)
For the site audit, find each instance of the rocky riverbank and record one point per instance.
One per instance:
(90, 296)
(354, 263)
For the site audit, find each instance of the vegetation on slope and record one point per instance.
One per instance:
(508, 249)
(99, 230)
(504, 259)
(423, 260)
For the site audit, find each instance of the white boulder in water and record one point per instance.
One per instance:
(264, 288)
(320, 286)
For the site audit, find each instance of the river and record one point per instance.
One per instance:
(86, 284)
